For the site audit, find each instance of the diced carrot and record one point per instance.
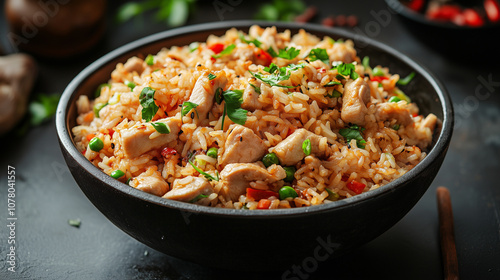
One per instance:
(264, 204)
(90, 136)
(88, 117)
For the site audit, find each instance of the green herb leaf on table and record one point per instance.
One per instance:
(172, 12)
(208, 176)
(75, 222)
(227, 50)
(319, 54)
(161, 127)
(149, 107)
(281, 10)
(42, 108)
(354, 132)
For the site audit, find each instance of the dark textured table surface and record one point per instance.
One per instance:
(47, 196)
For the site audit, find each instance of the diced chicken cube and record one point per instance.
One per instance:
(204, 91)
(242, 146)
(236, 177)
(342, 52)
(393, 110)
(189, 188)
(356, 96)
(251, 98)
(289, 151)
(150, 182)
(136, 141)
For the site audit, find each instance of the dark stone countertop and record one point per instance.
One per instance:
(47, 195)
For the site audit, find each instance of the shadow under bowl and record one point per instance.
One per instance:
(254, 240)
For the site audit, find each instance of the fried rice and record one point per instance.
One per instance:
(295, 121)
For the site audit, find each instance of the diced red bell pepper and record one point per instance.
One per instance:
(257, 195)
(263, 56)
(217, 47)
(168, 151)
(111, 132)
(84, 151)
(264, 204)
(378, 79)
(492, 8)
(472, 18)
(356, 186)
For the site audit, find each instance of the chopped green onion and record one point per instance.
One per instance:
(200, 196)
(396, 127)
(208, 176)
(256, 88)
(228, 50)
(377, 71)
(406, 80)
(150, 60)
(334, 94)
(161, 127)
(332, 83)
(99, 88)
(212, 152)
(306, 147)
(98, 107)
(128, 180)
(402, 95)
(287, 191)
(117, 174)
(130, 84)
(75, 222)
(290, 172)
(366, 62)
(394, 99)
(96, 144)
(333, 196)
(193, 46)
(211, 76)
(270, 159)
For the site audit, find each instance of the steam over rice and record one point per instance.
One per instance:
(394, 133)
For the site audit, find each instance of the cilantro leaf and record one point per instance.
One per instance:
(277, 74)
(354, 132)
(319, 54)
(405, 81)
(233, 99)
(306, 147)
(208, 176)
(256, 88)
(272, 52)
(219, 95)
(347, 69)
(198, 197)
(211, 76)
(256, 42)
(188, 106)
(227, 50)
(148, 104)
(288, 53)
(161, 127)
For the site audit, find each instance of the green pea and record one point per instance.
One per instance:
(394, 99)
(98, 107)
(270, 159)
(290, 171)
(395, 127)
(287, 191)
(212, 152)
(96, 144)
(117, 174)
(130, 84)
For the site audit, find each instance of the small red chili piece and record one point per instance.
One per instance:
(356, 186)
(217, 47)
(378, 79)
(168, 151)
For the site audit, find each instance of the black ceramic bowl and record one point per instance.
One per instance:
(254, 240)
(464, 43)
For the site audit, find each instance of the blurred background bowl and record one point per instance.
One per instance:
(255, 240)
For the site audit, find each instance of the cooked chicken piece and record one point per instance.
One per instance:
(17, 76)
(251, 98)
(356, 96)
(237, 177)
(134, 64)
(187, 189)
(342, 52)
(135, 140)
(204, 91)
(153, 184)
(243, 146)
(393, 110)
(430, 121)
(289, 151)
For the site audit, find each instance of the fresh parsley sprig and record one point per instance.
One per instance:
(147, 100)
(287, 53)
(227, 50)
(277, 74)
(232, 107)
(346, 69)
(319, 54)
(354, 132)
(187, 106)
(161, 127)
